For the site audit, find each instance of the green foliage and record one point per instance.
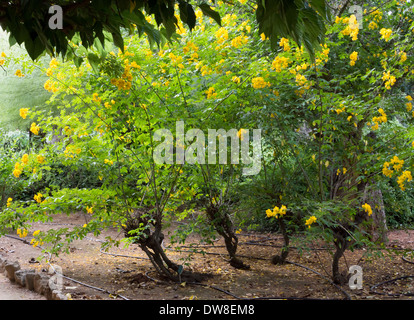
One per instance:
(91, 20)
(336, 124)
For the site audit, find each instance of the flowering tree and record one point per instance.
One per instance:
(335, 125)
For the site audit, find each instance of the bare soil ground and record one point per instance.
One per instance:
(135, 278)
(11, 291)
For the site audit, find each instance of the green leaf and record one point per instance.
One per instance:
(187, 14)
(206, 9)
(94, 61)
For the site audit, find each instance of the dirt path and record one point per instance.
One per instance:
(10, 291)
(125, 270)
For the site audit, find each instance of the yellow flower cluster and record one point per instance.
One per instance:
(204, 69)
(190, 46)
(377, 15)
(34, 128)
(372, 25)
(50, 86)
(353, 56)
(38, 197)
(35, 242)
(229, 20)
(110, 162)
(259, 83)
(403, 57)
(284, 43)
(322, 56)
(211, 93)
(2, 61)
(310, 221)
(389, 79)
(352, 28)
(405, 176)
(239, 41)
(9, 201)
(22, 233)
(378, 120)
(19, 73)
(385, 34)
(125, 82)
(176, 60)
(280, 63)
(397, 165)
(24, 112)
(95, 98)
(367, 208)
(301, 80)
(338, 172)
(17, 170)
(71, 151)
(52, 66)
(222, 35)
(236, 79)
(25, 158)
(409, 103)
(276, 212)
(41, 159)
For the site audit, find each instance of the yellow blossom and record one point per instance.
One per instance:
(23, 112)
(22, 233)
(34, 128)
(280, 63)
(110, 162)
(40, 159)
(259, 83)
(276, 212)
(235, 79)
(38, 197)
(222, 35)
(405, 176)
(367, 208)
(211, 93)
(385, 34)
(310, 221)
(25, 158)
(353, 56)
(285, 44)
(19, 73)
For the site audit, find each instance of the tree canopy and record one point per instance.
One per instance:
(28, 21)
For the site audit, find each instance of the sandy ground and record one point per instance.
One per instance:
(10, 291)
(126, 274)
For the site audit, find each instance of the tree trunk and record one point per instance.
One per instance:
(341, 244)
(378, 228)
(224, 227)
(280, 259)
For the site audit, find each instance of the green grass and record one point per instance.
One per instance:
(15, 92)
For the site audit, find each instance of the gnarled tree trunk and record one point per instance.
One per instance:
(224, 227)
(378, 228)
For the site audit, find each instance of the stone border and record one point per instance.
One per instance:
(30, 279)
